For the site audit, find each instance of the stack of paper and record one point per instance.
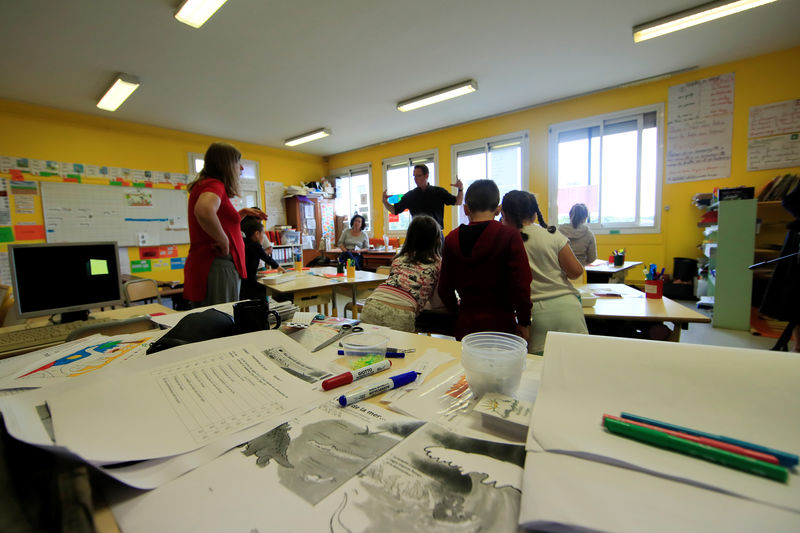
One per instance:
(172, 410)
(585, 472)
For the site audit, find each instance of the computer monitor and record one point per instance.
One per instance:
(65, 278)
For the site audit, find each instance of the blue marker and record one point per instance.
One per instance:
(388, 354)
(393, 199)
(382, 386)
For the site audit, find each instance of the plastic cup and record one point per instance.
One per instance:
(298, 266)
(367, 348)
(493, 362)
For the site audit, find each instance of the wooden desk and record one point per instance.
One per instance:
(602, 272)
(372, 259)
(307, 284)
(633, 306)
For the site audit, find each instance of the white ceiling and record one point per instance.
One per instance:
(265, 70)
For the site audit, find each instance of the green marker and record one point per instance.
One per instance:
(670, 442)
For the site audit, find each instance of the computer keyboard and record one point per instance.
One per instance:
(21, 339)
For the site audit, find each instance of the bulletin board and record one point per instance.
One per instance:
(132, 216)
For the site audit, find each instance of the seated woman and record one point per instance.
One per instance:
(353, 240)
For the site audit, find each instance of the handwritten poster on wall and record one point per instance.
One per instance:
(700, 129)
(774, 119)
(777, 128)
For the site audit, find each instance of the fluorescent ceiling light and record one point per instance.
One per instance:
(195, 13)
(307, 137)
(692, 17)
(440, 95)
(119, 91)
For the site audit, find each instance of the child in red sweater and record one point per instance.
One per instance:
(486, 263)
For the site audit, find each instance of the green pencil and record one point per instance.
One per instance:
(715, 455)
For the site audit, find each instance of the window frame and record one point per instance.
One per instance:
(598, 120)
(348, 171)
(525, 142)
(389, 161)
(246, 184)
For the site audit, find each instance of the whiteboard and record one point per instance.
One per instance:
(132, 216)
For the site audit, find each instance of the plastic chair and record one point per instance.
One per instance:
(137, 290)
(115, 327)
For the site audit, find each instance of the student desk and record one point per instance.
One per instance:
(602, 272)
(307, 285)
(633, 306)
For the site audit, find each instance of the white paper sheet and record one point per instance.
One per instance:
(279, 482)
(447, 400)
(167, 409)
(567, 493)
(747, 394)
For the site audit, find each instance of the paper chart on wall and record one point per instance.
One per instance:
(700, 129)
(781, 151)
(273, 206)
(774, 119)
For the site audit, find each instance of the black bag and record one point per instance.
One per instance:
(196, 327)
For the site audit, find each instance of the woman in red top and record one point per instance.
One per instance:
(215, 265)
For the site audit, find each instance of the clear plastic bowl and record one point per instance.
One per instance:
(493, 362)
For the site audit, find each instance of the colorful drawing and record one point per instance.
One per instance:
(86, 359)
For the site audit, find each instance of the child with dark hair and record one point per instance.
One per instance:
(581, 238)
(353, 240)
(412, 278)
(555, 301)
(253, 253)
(485, 262)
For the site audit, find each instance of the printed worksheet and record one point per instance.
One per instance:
(177, 407)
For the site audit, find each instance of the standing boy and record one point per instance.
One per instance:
(485, 261)
(253, 253)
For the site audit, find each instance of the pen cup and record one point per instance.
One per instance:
(351, 271)
(619, 260)
(340, 268)
(368, 348)
(493, 362)
(298, 266)
(654, 288)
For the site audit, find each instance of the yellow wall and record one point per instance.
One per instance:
(43, 133)
(759, 80)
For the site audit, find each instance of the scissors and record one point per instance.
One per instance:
(346, 329)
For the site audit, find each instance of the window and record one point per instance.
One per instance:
(503, 159)
(398, 178)
(611, 163)
(250, 194)
(353, 193)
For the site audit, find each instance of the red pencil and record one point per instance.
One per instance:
(704, 440)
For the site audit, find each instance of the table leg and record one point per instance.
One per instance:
(675, 336)
(354, 308)
(335, 310)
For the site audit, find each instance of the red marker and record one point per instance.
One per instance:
(704, 440)
(353, 375)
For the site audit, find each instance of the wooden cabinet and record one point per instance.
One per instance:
(312, 217)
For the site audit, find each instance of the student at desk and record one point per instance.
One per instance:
(581, 238)
(555, 301)
(353, 240)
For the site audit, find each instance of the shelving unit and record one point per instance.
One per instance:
(284, 253)
(730, 253)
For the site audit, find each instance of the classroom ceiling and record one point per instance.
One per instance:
(265, 70)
